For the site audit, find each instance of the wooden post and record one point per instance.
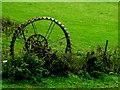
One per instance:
(106, 47)
(105, 53)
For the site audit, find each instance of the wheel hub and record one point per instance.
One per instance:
(37, 43)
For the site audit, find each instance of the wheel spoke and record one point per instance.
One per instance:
(58, 40)
(34, 27)
(38, 37)
(23, 35)
(50, 30)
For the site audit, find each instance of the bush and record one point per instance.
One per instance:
(9, 26)
(85, 74)
(28, 67)
(95, 74)
(77, 62)
(58, 64)
(99, 62)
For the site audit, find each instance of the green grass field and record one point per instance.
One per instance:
(89, 24)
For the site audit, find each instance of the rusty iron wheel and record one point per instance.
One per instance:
(36, 40)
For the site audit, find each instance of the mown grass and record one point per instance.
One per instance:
(105, 81)
(89, 24)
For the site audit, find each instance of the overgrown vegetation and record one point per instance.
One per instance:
(31, 67)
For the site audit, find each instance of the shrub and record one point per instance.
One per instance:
(95, 74)
(85, 74)
(99, 62)
(8, 26)
(28, 67)
(77, 62)
(58, 64)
